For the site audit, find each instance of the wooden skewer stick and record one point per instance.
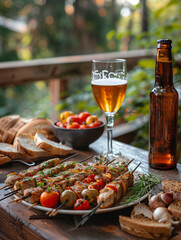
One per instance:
(32, 205)
(53, 212)
(136, 167)
(74, 155)
(12, 192)
(20, 199)
(7, 185)
(109, 162)
(8, 188)
(87, 216)
(129, 162)
(85, 159)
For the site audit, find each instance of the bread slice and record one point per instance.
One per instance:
(50, 146)
(175, 209)
(4, 159)
(10, 134)
(7, 122)
(9, 150)
(172, 186)
(142, 209)
(26, 146)
(145, 228)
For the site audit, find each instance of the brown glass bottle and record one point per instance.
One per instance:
(163, 111)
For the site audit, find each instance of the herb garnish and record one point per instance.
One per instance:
(142, 186)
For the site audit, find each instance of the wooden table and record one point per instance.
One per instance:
(14, 218)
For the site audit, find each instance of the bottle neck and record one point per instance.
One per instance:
(164, 70)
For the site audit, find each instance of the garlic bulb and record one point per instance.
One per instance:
(155, 202)
(161, 214)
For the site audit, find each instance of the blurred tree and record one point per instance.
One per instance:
(52, 28)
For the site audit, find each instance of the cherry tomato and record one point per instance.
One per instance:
(91, 119)
(95, 124)
(83, 116)
(84, 205)
(84, 126)
(61, 124)
(49, 198)
(72, 119)
(65, 115)
(73, 125)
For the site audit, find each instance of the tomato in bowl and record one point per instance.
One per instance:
(76, 133)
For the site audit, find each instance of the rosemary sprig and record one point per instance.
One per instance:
(143, 185)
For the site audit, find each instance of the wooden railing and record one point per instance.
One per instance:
(57, 71)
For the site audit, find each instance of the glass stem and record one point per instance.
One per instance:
(110, 124)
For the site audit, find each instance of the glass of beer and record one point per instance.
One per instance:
(109, 83)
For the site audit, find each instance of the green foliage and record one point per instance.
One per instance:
(80, 100)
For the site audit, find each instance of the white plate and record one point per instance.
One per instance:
(81, 212)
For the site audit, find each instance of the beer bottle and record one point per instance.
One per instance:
(163, 111)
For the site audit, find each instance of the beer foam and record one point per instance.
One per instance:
(109, 81)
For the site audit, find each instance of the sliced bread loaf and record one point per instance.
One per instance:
(9, 150)
(175, 209)
(25, 144)
(37, 124)
(10, 134)
(172, 186)
(50, 146)
(7, 122)
(145, 228)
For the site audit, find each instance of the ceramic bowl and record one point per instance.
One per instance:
(78, 138)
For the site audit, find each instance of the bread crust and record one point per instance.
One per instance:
(26, 146)
(175, 209)
(9, 150)
(50, 146)
(172, 186)
(7, 122)
(10, 134)
(35, 125)
(145, 228)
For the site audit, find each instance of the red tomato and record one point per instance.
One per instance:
(95, 124)
(65, 115)
(91, 119)
(84, 205)
(49, 199)
(73, 125)
(72, 119)
(61, 124)
(84, 126)
(83, 116)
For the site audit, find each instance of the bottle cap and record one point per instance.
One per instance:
(164, 41)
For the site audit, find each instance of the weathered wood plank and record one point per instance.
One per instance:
(19, 72)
